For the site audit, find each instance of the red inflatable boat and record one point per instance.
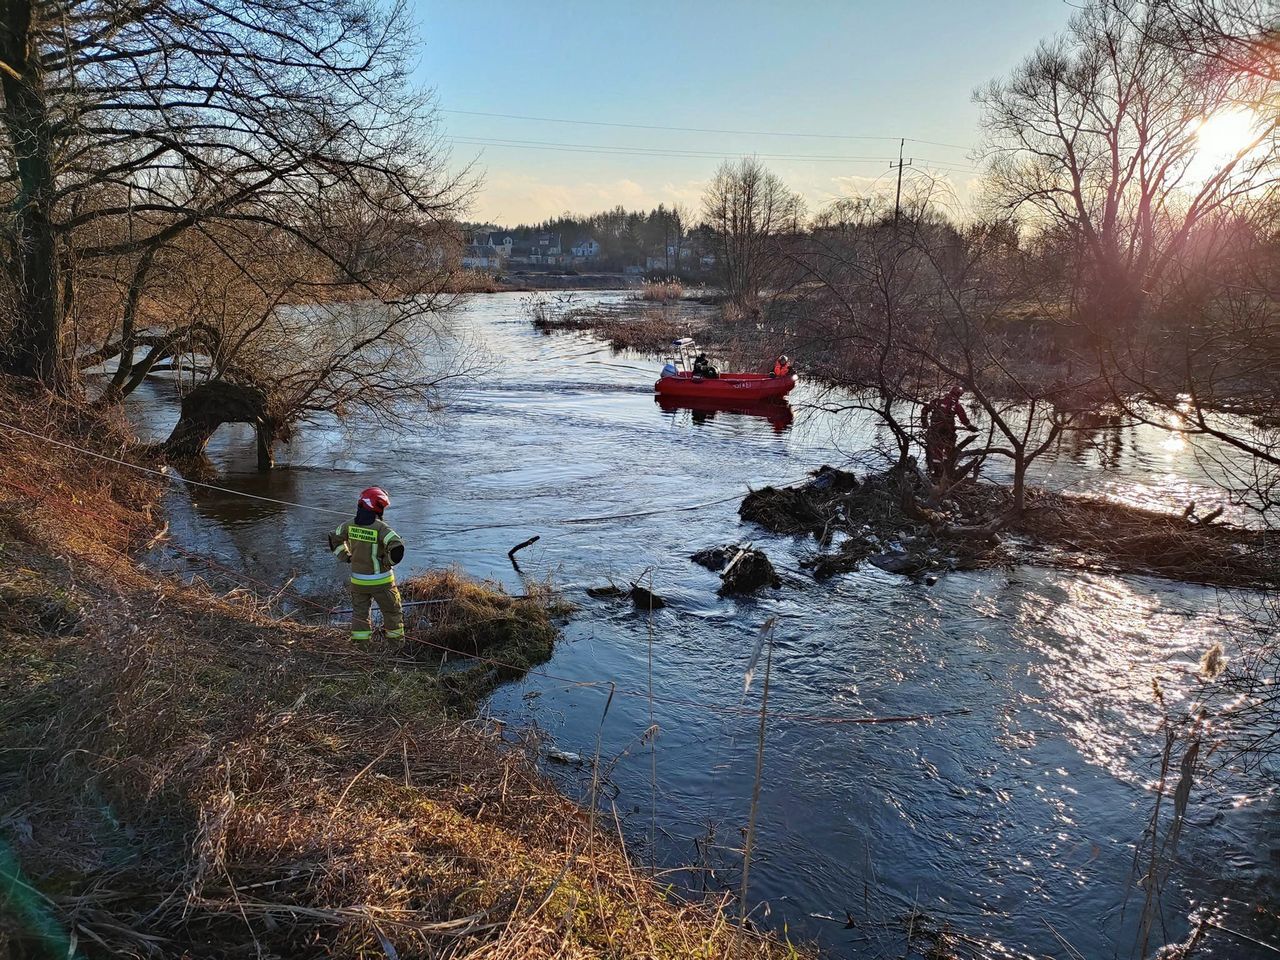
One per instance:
(746, 388)
(679, 382)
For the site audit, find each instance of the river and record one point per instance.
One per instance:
(1011, 817)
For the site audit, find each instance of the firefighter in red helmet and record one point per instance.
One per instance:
(373, 549)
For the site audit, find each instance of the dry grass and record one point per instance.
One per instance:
(185, 775)
(662, 291)
(649, 332)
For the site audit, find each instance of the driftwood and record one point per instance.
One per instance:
(511, 554)
(882, 516)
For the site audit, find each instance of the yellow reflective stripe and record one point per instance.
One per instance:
(395, 634)
(361, 634)
(373, 579)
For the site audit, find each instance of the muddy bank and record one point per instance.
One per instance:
(882, 519)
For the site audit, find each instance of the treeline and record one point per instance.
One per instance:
(1118, 255)
(627, 237)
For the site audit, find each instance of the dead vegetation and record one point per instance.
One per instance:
(187, 775)
(662, 291)
(882, 519)
(650, 331)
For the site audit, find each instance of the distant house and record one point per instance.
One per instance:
(487, 250)
(585, 249)
(504, 243)
(545, 248)
(481, 257)
(677, 256)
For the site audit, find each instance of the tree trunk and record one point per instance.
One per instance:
(208, 407)
(1019, 485)
(266, 458)
(35, 347)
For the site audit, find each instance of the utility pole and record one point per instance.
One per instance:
(897, 199)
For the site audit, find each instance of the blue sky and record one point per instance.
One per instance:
(853, 69)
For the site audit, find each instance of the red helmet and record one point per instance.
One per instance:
(375, 499)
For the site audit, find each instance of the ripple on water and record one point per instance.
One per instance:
(1014, 816)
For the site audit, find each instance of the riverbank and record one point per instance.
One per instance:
(186, 774)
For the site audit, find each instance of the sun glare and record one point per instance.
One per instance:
(1221, 138)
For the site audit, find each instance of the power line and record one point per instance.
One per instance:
(672, 151)
(611, 150)
(742, 133)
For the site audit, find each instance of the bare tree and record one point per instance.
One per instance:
(904, 313)
(1241, 36)
(130, 123)
(751, 213)
(1094, 138)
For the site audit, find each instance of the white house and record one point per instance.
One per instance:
(545, 248)
(585, 249)
(477, 257)
(501, 242)
(486, 250)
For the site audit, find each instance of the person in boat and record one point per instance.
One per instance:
(782, 366)
(939, 418)
(702, 368)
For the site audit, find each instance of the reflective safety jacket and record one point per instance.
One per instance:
(373, 550)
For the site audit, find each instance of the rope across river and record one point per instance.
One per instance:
(418, 635)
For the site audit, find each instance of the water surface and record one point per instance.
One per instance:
(1011, 817)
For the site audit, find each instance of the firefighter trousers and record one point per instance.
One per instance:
(387, 597)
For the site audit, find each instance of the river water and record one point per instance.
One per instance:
(1011, 817)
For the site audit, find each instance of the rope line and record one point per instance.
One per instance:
(164, 474)
(564, 521)
(491, 661)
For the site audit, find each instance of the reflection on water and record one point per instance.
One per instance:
(1013, 821)
(779, 415)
